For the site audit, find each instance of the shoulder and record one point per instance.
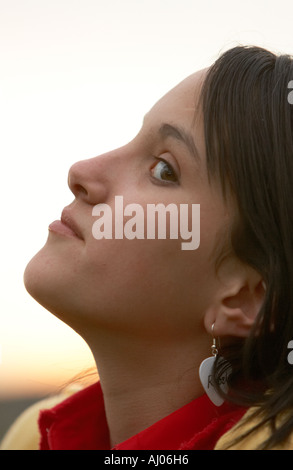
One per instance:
(233, 439)
(24, 434)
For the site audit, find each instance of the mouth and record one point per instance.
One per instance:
(66, 226)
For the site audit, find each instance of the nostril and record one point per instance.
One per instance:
(79, 189)
(74, 185)
(85, 181)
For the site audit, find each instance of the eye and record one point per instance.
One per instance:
(163, 171)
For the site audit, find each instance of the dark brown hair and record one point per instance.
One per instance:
(249, 143)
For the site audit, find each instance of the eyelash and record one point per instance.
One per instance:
(171, 172)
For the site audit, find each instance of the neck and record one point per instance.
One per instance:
(145, 381)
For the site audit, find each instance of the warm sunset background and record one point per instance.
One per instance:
(77, 77)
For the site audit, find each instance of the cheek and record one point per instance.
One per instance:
(150, 278)
(138, 265)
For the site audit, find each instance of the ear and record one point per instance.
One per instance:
(237, 302)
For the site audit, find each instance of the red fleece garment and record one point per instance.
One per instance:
(79, 423)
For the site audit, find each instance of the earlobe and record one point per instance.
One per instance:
(236, 309)
(234, 322)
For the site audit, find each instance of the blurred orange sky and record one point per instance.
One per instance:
(39, 354)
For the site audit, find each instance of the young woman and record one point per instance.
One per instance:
(148, 309)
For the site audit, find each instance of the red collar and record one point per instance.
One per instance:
(79, 423)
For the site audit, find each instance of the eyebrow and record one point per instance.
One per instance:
(167, 130)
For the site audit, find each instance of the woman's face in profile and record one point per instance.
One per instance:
(143, 286)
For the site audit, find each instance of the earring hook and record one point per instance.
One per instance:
(214, 345)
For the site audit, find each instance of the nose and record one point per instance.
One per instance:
(91, 180)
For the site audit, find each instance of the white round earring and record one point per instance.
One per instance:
(206, 375)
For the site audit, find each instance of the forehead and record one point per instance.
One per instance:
(180, 108)
(181, 104)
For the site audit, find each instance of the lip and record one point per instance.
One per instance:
(66, 226)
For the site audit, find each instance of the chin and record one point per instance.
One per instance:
(42, 282)
(49, 280)
(32, 276)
